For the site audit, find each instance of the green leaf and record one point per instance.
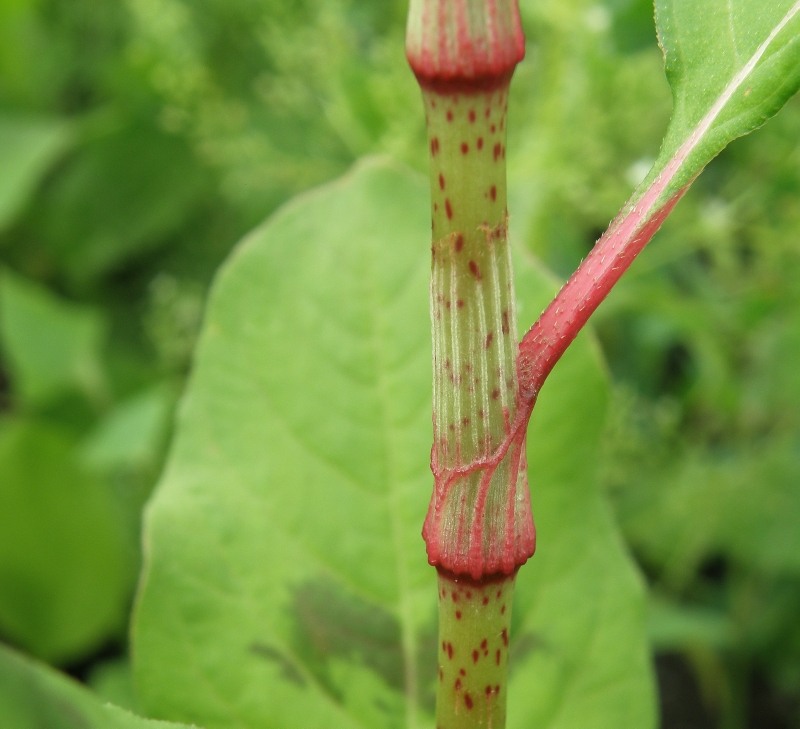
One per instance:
(742, 504)
(51, 346)
(33, 696)
(286, 583)
(112, 680)
(65, 560)
(122, 195)
(133, 434)
(732, 64)
(28, 148)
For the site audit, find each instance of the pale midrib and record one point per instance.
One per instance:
(698, 133)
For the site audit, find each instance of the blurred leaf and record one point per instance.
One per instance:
(33, 696)
(112, 681)
(283, 542)
(133, 433)
(50, 346)
(743, 504)
(65, 561)
(122, 194)
(674, 626)
(28, 147)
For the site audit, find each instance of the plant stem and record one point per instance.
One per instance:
(474, 620)
(479, 521)
(547, 340)
(479, 528)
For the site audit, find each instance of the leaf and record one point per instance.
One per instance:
(133, 434)
(51, 346)
(285, 582)
(123, 194)
(742, 504)
(28, 147)
(112, 680)
(33, 696)
(65, 561)
(732, 64)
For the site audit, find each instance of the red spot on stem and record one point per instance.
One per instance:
(495, 394)
(449, 115)
(497, 657)
(479, 143)
(434, 146)
(475, 656)
(441, 181)
(474, 270)
(464, 148)
(468, 701)
(505, 324)
(460, 303)
(457, 684)
(471, 116)
(488, 342)
(459, 243)
(448, 208)
(497, 150)
(458, 615)
(493, 192)
(504, 636)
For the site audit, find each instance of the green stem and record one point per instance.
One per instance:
(474, 620)
(479, 520)
(479, 527)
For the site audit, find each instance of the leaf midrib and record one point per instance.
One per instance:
(409, 646)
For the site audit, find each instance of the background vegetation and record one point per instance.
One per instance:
(140, 139)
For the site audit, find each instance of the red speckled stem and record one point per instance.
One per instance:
(479, 522)
(479, 527)
(474, 624)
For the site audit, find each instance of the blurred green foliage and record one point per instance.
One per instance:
(139, 139)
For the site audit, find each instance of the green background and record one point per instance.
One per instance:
(141, 139)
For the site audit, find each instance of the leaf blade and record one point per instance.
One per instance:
(33, 695)
(731, 66)
(285, 574)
